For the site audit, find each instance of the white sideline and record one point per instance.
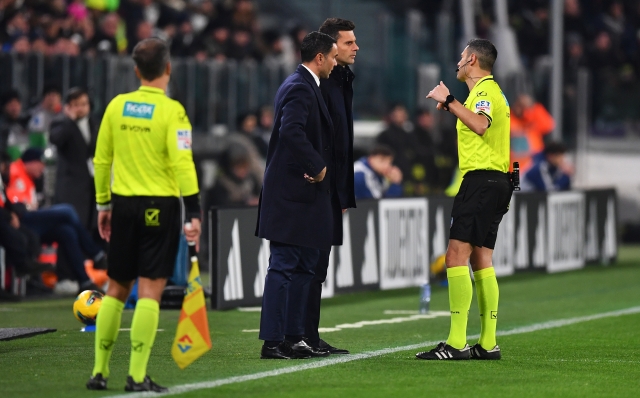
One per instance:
(370, 354)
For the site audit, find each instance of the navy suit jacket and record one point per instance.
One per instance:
(292, 210)
(337, 92)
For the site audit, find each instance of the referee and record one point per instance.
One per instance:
(145, 137)
(483, 198)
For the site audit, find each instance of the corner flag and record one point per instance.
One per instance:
(192, 336)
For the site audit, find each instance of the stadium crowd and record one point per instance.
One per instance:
(412, 157)
(203, 29)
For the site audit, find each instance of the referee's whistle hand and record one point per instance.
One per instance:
(104, 224)
(192, 232)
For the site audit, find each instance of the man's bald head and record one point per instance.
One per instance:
(151, 57)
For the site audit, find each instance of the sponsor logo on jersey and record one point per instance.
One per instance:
(135, 129)
(138, 110)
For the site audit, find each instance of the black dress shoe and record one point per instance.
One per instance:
(146, 385)
(323, 345)
(273, 353)
(304, 349)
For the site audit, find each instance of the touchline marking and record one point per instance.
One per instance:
(370, 354)
(357, 325)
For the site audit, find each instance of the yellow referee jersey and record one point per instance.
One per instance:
(146, 137)
(491, 150)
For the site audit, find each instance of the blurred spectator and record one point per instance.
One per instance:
(235, 184)
(574, 20)
(530, 123)
(575, 60)
(215, 43)
(247, 138)
(296, 35)
(244, 16)
(21, 45)
(265, 126)
(242, 45)
(16, 25)
(532, 27)
(440, 158)
(183, 44)
(14, 137)
(375, 176)
(43, 113)
(409, 153)
(22, 246)
(248, 125)
(74, 136)
(104, 41)
(58, 223)
(551, 173)
(144, 30)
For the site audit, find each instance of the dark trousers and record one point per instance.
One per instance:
(60, 223)
(312, 320)
(286, 288)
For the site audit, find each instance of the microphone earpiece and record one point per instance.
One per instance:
(462, 66)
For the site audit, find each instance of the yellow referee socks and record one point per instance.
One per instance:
(107, 327)
(460, 293)
(143, 333)
(488, 294)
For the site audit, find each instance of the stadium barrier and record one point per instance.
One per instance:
(390, 243)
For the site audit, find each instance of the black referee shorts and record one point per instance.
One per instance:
(145, 234)
(478, 208)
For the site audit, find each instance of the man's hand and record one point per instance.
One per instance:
(104, 224)
(15, 221)
(192, 232)
(394, 175)
(439, 93)
(70, 112)
(317, 178)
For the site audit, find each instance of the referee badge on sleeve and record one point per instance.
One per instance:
(483, 106)
(184, 139)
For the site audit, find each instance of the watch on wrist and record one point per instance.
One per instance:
(450, 98)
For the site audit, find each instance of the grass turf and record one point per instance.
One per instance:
(595, 358)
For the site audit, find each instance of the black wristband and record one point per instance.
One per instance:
(192, 206)
(450, 98)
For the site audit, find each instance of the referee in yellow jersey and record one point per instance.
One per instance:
(483, 198)
(143, 164)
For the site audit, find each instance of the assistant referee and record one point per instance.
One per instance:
(146, 138)
(483, 198)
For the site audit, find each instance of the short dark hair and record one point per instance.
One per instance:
(50, 89)
(75, 93)
(555, 148)
(333, 26)
(9, 96)
(315, 43)
(151, 57)
(485, 51)
(382, 150)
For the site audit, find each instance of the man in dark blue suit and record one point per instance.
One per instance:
(337, 92)
(295, 211)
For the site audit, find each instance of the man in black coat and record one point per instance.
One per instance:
(295, 211)
(75, 139)
(337, 92)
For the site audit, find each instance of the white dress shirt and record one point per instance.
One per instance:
(315, 77)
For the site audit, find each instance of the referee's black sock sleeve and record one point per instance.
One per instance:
(192, 205)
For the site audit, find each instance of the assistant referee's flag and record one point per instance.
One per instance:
(192, 336)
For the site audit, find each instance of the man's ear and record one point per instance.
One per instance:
(135, 68)
(168, 69)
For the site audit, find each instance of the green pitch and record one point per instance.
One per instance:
(580, 356)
